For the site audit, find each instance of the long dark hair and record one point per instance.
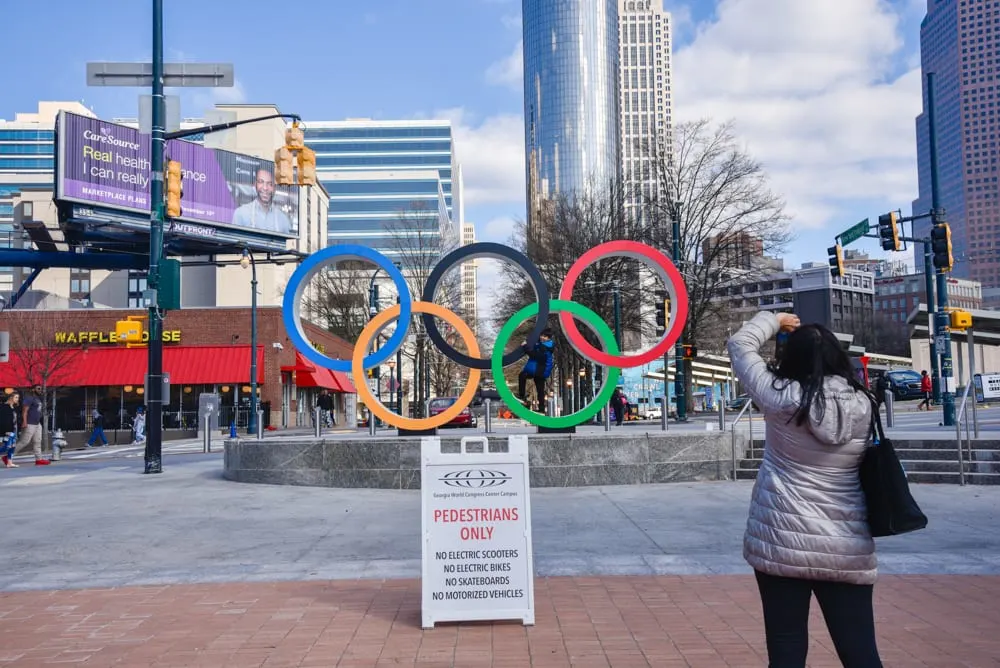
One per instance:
(811, 354)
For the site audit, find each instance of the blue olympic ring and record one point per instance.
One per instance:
(300, 281)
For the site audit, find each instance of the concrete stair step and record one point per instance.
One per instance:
(952, 478)
(949, 454)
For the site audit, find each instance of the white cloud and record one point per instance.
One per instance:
(491, 152)
(809, 87)
(509, 70)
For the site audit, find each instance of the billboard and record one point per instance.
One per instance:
(108, 165)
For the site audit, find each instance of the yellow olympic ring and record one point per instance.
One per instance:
(371, 401)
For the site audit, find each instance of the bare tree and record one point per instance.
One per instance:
(729, 219)
(36, 359)
(338, 299)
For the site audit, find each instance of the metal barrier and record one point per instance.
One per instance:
(206, 436)
(968, 433)
(748, 409)
(890, 409)
(488, 416)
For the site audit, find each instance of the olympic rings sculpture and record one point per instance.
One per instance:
(568, 310)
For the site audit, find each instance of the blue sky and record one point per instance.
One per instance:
(824, 92)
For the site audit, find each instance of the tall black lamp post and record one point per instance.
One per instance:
(248, 261)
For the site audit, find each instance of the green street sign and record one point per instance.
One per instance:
(854, 233)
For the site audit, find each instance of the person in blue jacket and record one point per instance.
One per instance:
(538, 367)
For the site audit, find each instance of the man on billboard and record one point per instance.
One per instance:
(261, 213)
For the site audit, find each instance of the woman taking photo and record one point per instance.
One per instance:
(807, 531)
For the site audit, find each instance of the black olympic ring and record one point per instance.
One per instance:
(497, 252)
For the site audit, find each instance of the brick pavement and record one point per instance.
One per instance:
(624, 622)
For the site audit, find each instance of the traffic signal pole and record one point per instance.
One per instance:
(154, 396)
(680, 389)
(942, 333)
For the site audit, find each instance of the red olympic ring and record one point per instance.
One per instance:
(674, 284)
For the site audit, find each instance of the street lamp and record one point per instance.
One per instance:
(248, 261)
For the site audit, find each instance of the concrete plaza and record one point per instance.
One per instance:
(111, 567)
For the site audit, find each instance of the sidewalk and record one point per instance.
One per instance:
(621, 622)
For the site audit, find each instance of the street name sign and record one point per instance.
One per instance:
(175, 75)
(854, 233)
(476, 530)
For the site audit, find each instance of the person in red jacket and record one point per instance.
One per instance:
(926, 388)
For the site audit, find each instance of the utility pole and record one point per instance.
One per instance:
(154, 399)
(942, 335)
(680, 390)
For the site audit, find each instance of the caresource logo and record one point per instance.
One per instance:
(105, 137)
(475, 478)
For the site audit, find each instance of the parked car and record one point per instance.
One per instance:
(905, 384)
(655, 413)
(463, 419)
(738, 403)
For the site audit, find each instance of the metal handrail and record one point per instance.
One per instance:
(739, 416)
(958, 433)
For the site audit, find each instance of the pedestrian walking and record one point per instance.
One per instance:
(98, 429)
(139, 425)
(618, 406)
(8, 429)
(807, 531)
(927, 388)
(31, 425)
(325, 404)
(881, 387)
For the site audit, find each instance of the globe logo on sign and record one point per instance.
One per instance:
(474, 478)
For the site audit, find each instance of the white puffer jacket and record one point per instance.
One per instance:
(807, 513)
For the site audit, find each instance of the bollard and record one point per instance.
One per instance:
(607, 418)
(890, 409)
(372, 424)
(206, 435)
(317, 423)
(663, 414)
(552, 406)
(488, 416)
(260, 425)
(722, 416)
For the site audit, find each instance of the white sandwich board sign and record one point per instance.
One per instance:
(476, 529)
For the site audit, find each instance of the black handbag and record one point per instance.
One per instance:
(891, 508)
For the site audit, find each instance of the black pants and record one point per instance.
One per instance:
(847, 609)
(539, 379)
(619, 409)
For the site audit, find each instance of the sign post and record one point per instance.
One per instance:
(476, 529)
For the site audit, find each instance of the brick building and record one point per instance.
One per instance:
(74, 353)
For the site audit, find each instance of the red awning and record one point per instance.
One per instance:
(308, 374)
(99, 367)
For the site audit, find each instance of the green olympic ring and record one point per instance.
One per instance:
(562, 421)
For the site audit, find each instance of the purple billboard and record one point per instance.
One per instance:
(108, 165)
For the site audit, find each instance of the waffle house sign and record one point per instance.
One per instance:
(113, 338)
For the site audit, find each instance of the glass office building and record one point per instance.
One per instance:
(394, 186)
(959, 40)
(571, 94)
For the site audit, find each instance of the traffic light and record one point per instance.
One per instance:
(294, 138)
(175, 189)
(941, 247)
(284, 167)
(836, 260)
(662, 308)
(888, 231)
(960, 319)
(690, 352)
(307, 167)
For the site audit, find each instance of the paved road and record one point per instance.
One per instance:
(100, 522)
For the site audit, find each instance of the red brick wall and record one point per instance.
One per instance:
(198, 327)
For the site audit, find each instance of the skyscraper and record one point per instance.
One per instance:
(646, 124)
(470, 279)
(389, 180)
(570, 95)
(958, 43)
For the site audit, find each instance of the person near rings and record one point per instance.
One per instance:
(807, 531)
(538, 368)
(618, 405)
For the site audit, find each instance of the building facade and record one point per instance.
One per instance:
(896, 297)
(644, 75)
(570, 95)
(959, 50)
(395, 186)
(844, 304)
(470, 280)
